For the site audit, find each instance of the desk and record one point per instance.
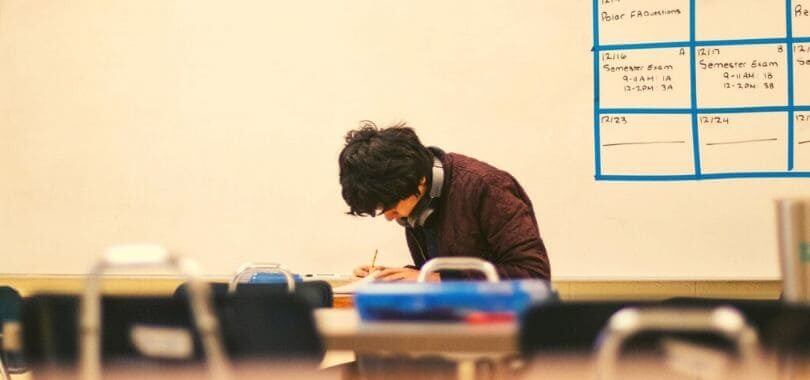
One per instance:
(584, 366)
(239, 370)
(465, 344)
(342, 329)
(343, 301)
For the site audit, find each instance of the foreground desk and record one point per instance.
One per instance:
(677, 366)
(238, 370)
(464, 344)
(342, 329)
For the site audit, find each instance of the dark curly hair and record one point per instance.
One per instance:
(381, 166)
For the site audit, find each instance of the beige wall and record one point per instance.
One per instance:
(213, 128)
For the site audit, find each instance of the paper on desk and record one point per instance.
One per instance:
(351, 287)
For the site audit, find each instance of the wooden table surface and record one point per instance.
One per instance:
(343, 301)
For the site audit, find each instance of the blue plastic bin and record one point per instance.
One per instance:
(449, 300)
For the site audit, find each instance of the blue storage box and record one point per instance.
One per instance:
(449, 300)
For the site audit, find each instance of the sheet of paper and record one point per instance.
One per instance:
(351, 287)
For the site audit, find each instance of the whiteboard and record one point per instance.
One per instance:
(214, 127)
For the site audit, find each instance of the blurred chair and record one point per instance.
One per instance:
(217, 289)
(314, 293)
(566, 327)
(92, 330)
(162, 329)
(270, 279)
(689, 338)
(783, 328)
(11, 362)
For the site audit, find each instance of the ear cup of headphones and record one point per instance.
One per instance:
(425, 207)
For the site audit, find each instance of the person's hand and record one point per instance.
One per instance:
(363, 271)
(404, 274)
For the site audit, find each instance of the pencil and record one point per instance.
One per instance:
(373, 260)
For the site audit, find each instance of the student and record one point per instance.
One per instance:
(449, 204)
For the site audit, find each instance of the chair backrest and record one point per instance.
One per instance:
(218, 289)
(270, 325)
(10, 304)
(10, 301)
(782, 327)
(314, 293)
(566, 326)
(692, 336)
(160, 328)
(575, 325)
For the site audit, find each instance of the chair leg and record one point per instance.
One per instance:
(3, 370)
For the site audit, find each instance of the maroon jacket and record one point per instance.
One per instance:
(482, 212)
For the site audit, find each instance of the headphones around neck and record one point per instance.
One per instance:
(425, 207)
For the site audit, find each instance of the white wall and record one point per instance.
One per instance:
(213, 127)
